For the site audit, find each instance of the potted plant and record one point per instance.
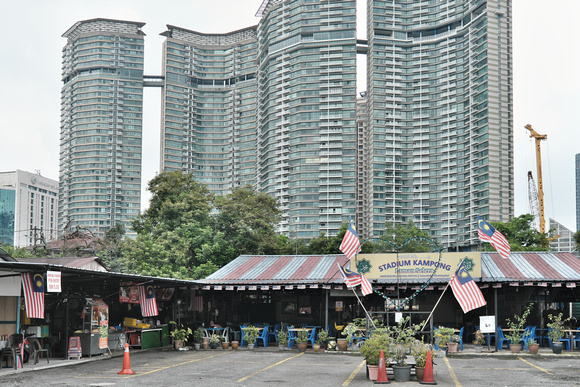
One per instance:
(348, 331)
(403, 335)
(214, 341)
(322, 338)
(556, 332)
(197, 337)
(282, 340)
(251, 334)
(371, 350)
(515, 329)
(419, 350)
(533, 346)
(302, 340)
(443, 337)
(453, 343)
(478, 340)
(180, 335)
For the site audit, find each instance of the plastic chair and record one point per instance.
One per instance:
(263, 336)
(501, 338)
(243, 340)
(576, 339)
(275, 333)
(13, 351)
(37, 350)
(291, 337)
(529, 333)
(312, 336)
(461, 338)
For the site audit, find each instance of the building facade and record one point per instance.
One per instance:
(440, 113)
(101, 125)
(275, 106)
(565, 238)
(209, 106)
(28, 209)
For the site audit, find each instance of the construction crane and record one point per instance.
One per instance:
(533, 196)
(539, 137)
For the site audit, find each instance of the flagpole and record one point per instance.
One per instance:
(361, 304)
(440, 297)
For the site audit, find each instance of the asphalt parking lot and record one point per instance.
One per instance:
(261, 367)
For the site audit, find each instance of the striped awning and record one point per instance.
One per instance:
(533, 267)
(278, 270)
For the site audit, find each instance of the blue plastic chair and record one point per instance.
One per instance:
(576, 339)
(434, 341)
(501, 338)
(529, 333)
(312, 336)
(461, 338)
(274, 334)
(291, 337)
(243, 340)
(263, 336)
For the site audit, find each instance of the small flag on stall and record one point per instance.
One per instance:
(33, 285)
(350, 244)
(147, 301)
(487, 233)
(466, 290)
(352, 279)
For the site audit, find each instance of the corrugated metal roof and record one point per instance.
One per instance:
(279, 269)
(524, 266)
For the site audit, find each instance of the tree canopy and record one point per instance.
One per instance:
(520, 234)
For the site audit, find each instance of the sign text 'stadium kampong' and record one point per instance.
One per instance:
(415, 262)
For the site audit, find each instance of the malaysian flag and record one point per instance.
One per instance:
(352, 279)
(33, 284)
(350, 244)
(147, 301)
(465, 290)
(487, 233)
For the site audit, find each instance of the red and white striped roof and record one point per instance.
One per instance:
(279, 269)
(524, 266)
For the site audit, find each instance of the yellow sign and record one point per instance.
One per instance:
(416, 267)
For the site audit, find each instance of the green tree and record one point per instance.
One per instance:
(111, 248)
(248, 221)
(407, 238)
(520, 234)
(327, 245)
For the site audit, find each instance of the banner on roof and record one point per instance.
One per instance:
(416, 267)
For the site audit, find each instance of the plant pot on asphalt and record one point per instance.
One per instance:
(205, 343)
(250, 346)
(452, 347)
(402, 373)
(515, 348)
(235, 345)
(557, 347)
(178, 344)
(302, 347)
(420, 372)
(533, 348)
(197, 345)
(341, 344)
(373, 371)
(316, 347)
(225, 345)
(478, 349)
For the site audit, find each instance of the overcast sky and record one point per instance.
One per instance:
(546, 82)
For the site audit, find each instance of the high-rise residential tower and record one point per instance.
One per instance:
(440, 112)
(306, 146)
(101, 124)
(209, 106)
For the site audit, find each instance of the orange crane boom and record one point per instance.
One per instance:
(539, 137)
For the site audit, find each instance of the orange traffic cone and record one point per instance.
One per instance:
(428, 376)
(126, 363)
(382, 377)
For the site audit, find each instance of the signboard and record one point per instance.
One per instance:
(53, 282)
(416, 267)
(128, 293)
(487, 324)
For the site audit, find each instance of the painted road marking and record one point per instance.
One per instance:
(270, 366)
(100, 376)
(452, 374)
(351, 377)
(535, 366)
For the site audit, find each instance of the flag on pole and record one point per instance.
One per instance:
(465, 290)
(33, 285)
(352, 279)
(147, 301)
(350, 244)
(487, 233)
